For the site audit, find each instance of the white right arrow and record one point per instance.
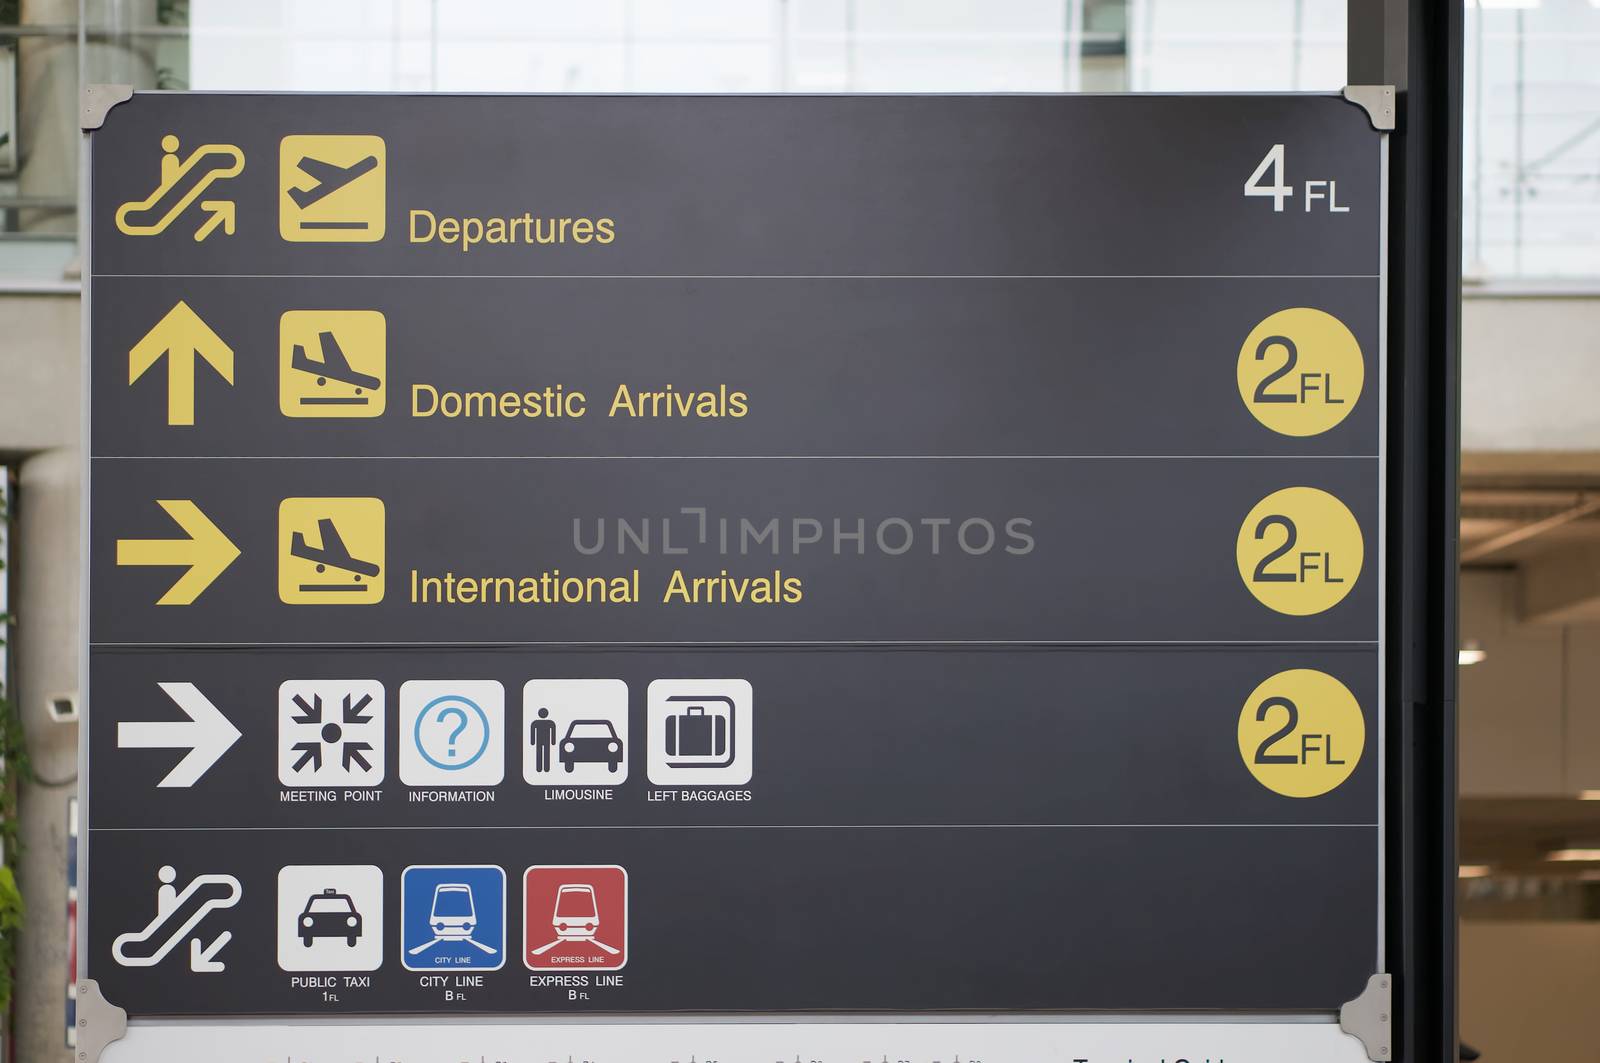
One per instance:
(206, 734)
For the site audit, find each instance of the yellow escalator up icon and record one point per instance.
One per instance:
(183, 182)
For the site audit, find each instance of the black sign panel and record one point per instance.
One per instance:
(647, 554)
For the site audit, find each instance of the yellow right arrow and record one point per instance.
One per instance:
(183, 338)
(206, 551)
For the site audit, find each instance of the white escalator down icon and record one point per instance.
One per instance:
(177, 915)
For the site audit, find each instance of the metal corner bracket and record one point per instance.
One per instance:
(100, 1022)
(97, 101)
(1377, 101)
(1369, 1018)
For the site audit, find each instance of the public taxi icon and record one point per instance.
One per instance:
(330, 551)
(331, 363)
(182, 183)
(331, 188)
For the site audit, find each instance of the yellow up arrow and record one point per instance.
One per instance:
(206, 551)
(183, 338)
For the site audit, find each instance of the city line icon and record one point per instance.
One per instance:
(453, 917)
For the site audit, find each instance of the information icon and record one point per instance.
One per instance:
(452, 733)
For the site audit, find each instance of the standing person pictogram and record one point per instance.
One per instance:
(542, 733)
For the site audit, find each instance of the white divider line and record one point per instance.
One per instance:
(1238, 1038)
(842, 644)
(735, 457)
(746, 826)
(764, 276)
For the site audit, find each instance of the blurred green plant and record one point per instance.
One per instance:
(14, 762)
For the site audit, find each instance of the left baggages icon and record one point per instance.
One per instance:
(702, 735)
(177, 915)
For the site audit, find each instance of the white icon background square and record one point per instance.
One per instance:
(331, 732)
(701, 732)
(321, 908)
(452, 732)
(584, 732)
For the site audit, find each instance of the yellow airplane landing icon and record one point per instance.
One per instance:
(330, 551)
(331, 363)
(331, 188)
(182, 183)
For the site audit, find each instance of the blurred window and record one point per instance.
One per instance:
(1532, 123)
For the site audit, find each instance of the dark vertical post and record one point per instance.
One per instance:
(1415, 45)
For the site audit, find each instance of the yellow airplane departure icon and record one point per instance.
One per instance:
(183, 182)
(330, 551)
(331, 363)
(331, 188)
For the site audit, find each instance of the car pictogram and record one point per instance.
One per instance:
(591, 742)
(330, 914)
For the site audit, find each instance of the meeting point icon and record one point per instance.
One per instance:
(183, 181)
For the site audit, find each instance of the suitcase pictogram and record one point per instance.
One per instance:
(697, 738)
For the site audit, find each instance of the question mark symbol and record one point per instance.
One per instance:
(459, 728)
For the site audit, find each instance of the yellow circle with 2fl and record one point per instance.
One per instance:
(1301, 733)
(1300, 371)
(1300, 551)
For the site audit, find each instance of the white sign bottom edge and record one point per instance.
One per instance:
(1013, 1040)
